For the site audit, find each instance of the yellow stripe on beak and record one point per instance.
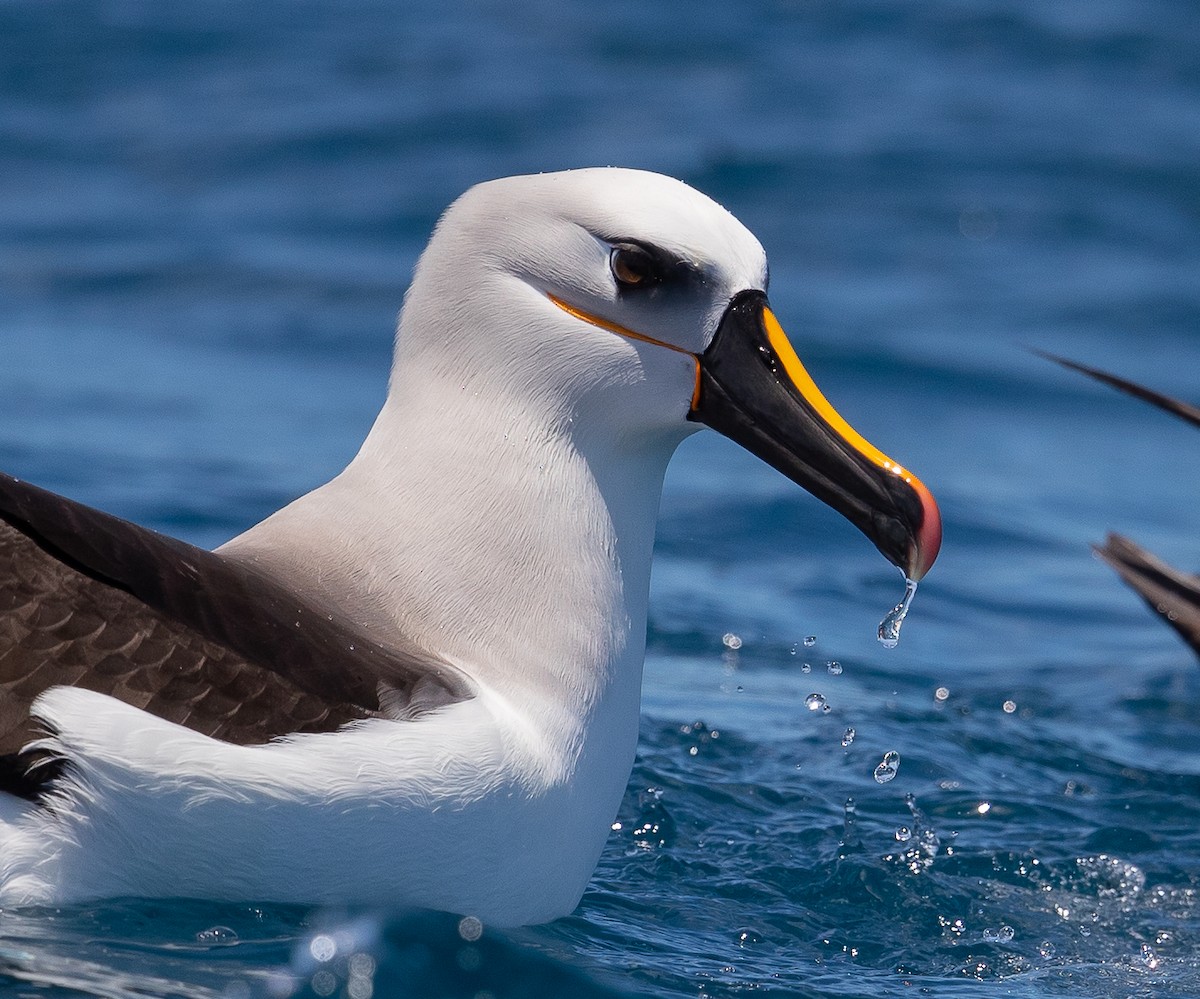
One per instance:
(808, 388)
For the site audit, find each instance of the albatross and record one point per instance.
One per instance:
(418, 684)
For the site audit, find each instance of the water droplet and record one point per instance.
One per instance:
(810, 641)
(834, 667)
(361, 965)
(323, 948)
(1149, 958)
(849, 821)
(903, 834)
(1002, 935)
(941, 694)
(1010, 707)
(323, 983)
(887, 768)
(814, 702)
(889, 627)
(806, 668)
(731, 641)
(470, 928)
(848, 737)
(1047, 949)
(217, 936)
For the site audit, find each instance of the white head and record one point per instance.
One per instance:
(621, 308)
(516, 264)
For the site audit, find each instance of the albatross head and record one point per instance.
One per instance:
(635, 303)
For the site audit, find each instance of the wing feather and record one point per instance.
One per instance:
(90, 600)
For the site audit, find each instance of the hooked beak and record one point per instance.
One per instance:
(753, 389)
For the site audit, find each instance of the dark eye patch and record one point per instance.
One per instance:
(638, 266)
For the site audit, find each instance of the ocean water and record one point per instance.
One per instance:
(208, 215)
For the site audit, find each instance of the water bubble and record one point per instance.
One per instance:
(848, 737)
(903, 834)
(1002, 935)
(887, 768)
(217, 936)
(889, 627)
(1009, 707)
(470, 928)
(834, 667)
(806, 668)
(810, 641)
(731, 641)
(814, 702)
(1047, 949)
(941, 694)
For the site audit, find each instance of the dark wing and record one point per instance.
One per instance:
(90, 600)
(1181, 409)
(1172, 594)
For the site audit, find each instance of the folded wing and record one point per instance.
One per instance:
(90, 600)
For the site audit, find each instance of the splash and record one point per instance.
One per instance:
(889, 627)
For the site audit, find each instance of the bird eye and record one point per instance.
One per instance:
(633, 266)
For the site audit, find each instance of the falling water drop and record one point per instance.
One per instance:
(848, 737)
(887, 768)
(889, 627)
(810, 641)
(814, 702)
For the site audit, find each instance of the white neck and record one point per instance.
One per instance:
(510, 542)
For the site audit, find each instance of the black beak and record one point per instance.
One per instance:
(753, 389)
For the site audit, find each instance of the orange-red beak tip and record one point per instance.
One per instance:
(929, 534)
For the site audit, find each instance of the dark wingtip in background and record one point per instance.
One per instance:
(1170, 593)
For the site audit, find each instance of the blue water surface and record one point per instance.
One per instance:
(208, 215)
